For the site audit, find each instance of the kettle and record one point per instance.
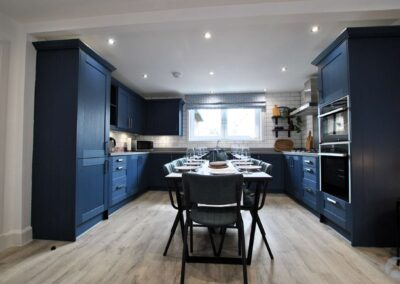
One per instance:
(111, 145)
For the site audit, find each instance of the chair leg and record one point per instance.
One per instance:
(243, 243)
(184, 251)
(173, 229)
(191, 236)
(221, 244)
(210, 232)
(239, 244)
(261, 227)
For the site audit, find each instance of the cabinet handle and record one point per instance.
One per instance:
(120, 168)
(308, 170)
(120, 160)
(308, 162)
(119, 187)
(308, 190)
(331, 200)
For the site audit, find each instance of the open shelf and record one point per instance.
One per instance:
(281, 130)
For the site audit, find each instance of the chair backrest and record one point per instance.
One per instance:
(212, 190)
(266, 167)
(168, 168)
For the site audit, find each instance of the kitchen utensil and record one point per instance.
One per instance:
(283, 145)
(309, 142)
(186, 168)
(275, 111)
(284, 111)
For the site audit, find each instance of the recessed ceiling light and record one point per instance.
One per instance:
(283, 69)
(212, 92)
(111, 41)
(211, 73)
(207, 35)
(145, 76)
(265, 90)
(315, 29)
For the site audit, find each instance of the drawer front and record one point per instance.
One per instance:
(119, 168)
(310, 184)
(310, 197)
(310, 173)
(118, 174)
(334, 209)
(119, 161)
(119, 184)
(310, 162)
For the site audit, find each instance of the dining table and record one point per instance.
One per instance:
(257, 177)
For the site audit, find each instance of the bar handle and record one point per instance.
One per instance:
(331, 200)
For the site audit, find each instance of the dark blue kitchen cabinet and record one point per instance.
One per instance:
(310, 182)
(333, 75)
(123, 112)
(154, 169)
(130, 109)
(71, 131)
(277, 184)
(132, 175)
(142, 162)
(367, 70)
(164, 117)
(91, 189)
(294, 176)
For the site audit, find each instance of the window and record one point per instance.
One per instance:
(225, 124)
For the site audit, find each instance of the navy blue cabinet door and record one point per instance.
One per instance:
(168, 118)
(277, 182)
(294, 175)
(154, 170)
(123, 109)
(138, 114)
(333, 75)
(91, 186)
(142, 162)
(93, 108)
(132, 175)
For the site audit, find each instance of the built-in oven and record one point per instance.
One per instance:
(334, 121)
(335, 174)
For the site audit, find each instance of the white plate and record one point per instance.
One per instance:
(186, 168)
(249, 167)
(193, 163)
(226, 171)
(243, 163)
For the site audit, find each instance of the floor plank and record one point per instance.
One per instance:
(128, 248)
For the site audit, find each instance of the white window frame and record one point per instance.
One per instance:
(224, 136)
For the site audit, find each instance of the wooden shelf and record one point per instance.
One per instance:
(281, 130)
(276, 119)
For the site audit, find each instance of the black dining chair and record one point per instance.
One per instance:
(249, 202)
(177, 202)
(213, 201)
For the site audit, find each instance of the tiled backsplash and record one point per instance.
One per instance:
(290, 99)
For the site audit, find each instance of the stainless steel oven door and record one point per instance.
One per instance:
(334, 121)
(335, 174)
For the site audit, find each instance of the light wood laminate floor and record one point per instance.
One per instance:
(128, 248)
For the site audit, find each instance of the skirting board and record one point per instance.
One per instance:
(15, 238)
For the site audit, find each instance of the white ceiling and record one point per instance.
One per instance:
(249, 46)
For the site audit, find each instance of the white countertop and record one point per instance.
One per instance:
(309, 154)
(127, 153)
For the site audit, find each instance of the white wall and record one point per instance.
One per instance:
(290, 99)
(15, 188)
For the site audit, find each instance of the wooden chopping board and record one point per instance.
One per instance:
(309, 142)
(283, 145)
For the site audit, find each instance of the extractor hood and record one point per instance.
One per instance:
(310, 91)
